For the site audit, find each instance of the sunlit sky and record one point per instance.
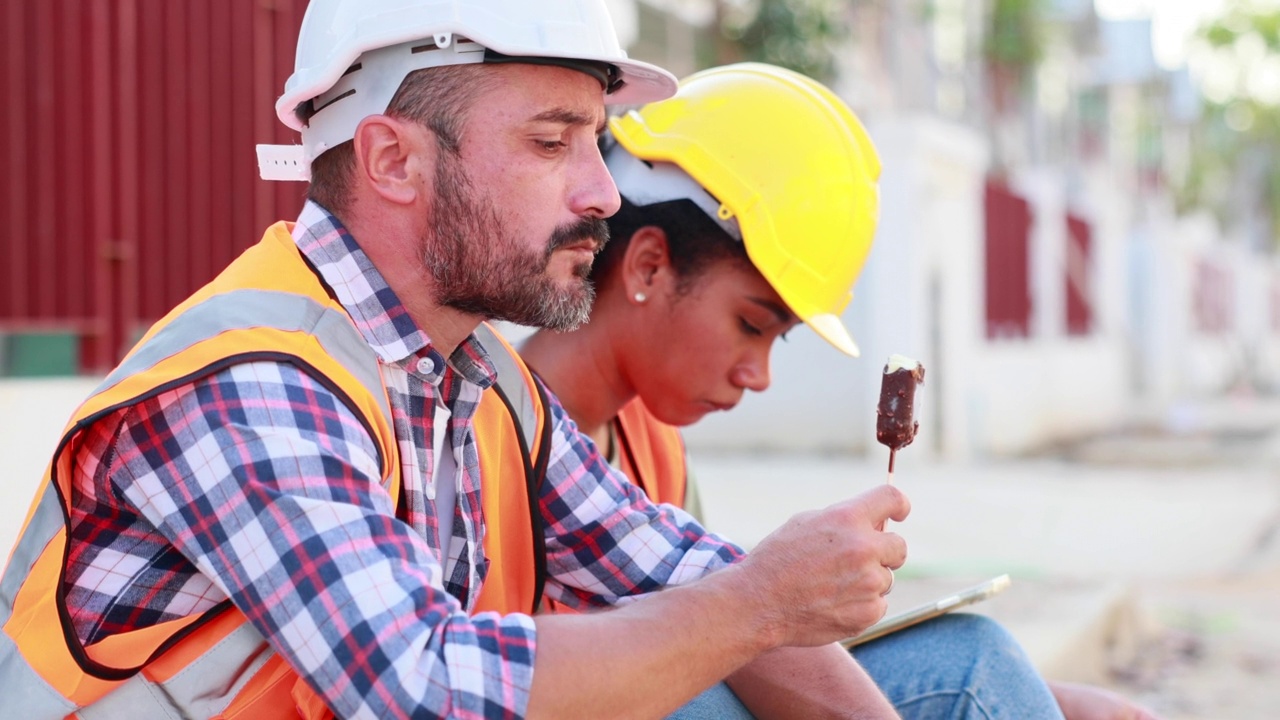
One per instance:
(1172, 22)
(1245, 70)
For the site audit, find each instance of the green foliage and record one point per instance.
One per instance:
(1240, 20)
(1015, 35)
(1012, 46)
(1236, 144)
(798, 34)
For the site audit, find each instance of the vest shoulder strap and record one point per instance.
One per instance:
(653, 454)
(530, 412)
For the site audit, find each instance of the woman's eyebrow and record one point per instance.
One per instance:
(781, 312)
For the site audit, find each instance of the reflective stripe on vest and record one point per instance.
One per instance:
(250, 308)
(266, 305)
(652, 454)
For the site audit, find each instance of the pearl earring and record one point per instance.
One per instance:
(641, 297)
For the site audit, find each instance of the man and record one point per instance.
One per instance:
(281, 480)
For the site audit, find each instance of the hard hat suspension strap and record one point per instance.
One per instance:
(646, 183)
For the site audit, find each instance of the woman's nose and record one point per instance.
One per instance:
(753, 372)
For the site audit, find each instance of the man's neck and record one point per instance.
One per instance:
(446, 327)
(397, 256)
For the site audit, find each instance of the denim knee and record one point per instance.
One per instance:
(717, 703)
(956, 666)
(979, 633)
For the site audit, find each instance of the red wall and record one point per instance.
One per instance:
(1007, 263)
(1078, 281)
(127, 168)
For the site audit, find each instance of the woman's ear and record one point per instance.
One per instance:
(390, 157)
(646, 266)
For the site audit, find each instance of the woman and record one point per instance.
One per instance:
(703, 275)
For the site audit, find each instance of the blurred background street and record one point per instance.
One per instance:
(1147, 560)
(1080, 219)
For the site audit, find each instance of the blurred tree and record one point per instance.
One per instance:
(802, 35)
(1234, 169)
(1012, 48)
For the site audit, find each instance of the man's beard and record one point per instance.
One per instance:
(479, 268)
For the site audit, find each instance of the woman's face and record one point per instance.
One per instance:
(707, 345)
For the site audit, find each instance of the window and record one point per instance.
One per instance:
(1008, 286)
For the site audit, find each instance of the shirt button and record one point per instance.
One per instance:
(426, 366)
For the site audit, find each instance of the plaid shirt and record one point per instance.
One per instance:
(258, 484)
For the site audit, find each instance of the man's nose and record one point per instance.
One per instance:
(592, 191)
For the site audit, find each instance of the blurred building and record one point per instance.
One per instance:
(128, 176)
(1029, 252)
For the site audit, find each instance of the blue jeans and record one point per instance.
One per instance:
(956, 667)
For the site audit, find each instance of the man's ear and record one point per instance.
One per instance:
(392, 157)
(646, 266)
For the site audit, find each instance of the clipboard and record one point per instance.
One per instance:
(928, 610)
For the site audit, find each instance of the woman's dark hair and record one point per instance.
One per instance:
(694, 240)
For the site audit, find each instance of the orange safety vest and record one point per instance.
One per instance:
(652, 454)
(652, 457)
(513, 439)
(267, 305)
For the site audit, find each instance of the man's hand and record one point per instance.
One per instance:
(823, 575)
(818, 579)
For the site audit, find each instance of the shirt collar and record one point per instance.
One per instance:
(373, 306)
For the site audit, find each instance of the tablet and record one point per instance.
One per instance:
(920, 613)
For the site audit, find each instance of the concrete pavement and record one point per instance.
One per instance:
(1147, 560)
(1036, 517)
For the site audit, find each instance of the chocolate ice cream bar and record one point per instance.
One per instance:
(895, 414)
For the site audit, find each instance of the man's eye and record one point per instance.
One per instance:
(748, 328)
(551, 145)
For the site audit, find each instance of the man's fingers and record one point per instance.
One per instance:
(888, 586)
(879, 503)
(893, 554)
(901, 511)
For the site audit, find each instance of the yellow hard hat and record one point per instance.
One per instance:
(788, 162)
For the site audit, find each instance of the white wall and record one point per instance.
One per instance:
(1267, 302)
(1028, 394)
(1177, 359)
(921, 294)
(925, 286)
(1255, 275)
(32, 415)
(1157, 308)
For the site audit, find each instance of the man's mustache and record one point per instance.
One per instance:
(587, 228)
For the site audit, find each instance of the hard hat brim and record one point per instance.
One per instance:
(830, 328)
(642, 83)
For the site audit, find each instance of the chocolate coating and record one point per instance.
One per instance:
(896, 425)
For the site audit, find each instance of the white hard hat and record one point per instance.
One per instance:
(354, 54)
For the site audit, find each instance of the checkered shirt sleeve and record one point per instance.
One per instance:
(606, 541)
